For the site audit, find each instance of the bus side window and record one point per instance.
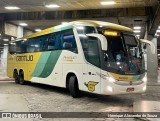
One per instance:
(12, 48)
(68, 41)
(18, 47)
(45, 43)
(30, 47)
(52, 42)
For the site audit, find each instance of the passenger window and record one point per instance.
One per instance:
(18, 47)
(68, 41)
(52, 42)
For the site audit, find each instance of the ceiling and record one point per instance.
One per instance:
(38, 5)
(42, 24)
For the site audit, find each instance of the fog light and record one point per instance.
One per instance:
(144, 88)
(109, 88)
(144, 79)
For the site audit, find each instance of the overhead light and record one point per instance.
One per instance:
(136, 31)
(5, 44)
(38, 30)
(12, 7)
(137, 27)
(52, 6)
(23, 24)
(108, 3)
(0, 34)
(159, 27)
(6, 40)
(138, 35)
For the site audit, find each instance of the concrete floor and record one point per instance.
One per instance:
(43, 98)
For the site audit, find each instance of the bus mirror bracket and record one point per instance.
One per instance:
(153, 48)
(102, 38)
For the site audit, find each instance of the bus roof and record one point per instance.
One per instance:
(106, 25)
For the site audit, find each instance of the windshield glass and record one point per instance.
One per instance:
(124, 54)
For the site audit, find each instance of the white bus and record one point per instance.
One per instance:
(92, 56)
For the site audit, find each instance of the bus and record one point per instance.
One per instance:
(85, 55)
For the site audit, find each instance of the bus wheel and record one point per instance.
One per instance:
(15, 76)
(73, 86)
(21, 78)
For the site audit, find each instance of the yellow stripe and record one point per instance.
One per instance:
(122, 77)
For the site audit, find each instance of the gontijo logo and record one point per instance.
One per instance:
(91, 85)
(24, 58)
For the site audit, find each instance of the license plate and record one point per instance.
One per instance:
(130, 89)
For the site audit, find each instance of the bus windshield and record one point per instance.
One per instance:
(124, 54)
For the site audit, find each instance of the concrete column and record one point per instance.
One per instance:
(152, 62)
(19, 32)
(3, 62)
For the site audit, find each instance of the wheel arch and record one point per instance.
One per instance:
(15, 70)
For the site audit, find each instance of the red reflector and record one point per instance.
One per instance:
(130, 89)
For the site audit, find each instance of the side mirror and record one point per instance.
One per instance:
(102, 38)
(153, 48)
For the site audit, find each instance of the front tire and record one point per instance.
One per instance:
(73, 86)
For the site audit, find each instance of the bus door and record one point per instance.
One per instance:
(91, 70)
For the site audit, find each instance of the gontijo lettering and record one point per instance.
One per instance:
(24, 58)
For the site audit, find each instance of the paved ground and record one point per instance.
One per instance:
(42, 98)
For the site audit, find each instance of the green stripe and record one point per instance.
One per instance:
(48, 66)
(41, 64)
(61, 29)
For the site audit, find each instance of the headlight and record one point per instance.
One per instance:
(111, 79)
(144, 79)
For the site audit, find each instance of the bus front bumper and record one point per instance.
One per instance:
(110, 88)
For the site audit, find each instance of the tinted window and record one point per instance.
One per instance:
(68, 41)
(85, 30)
(54, 41)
